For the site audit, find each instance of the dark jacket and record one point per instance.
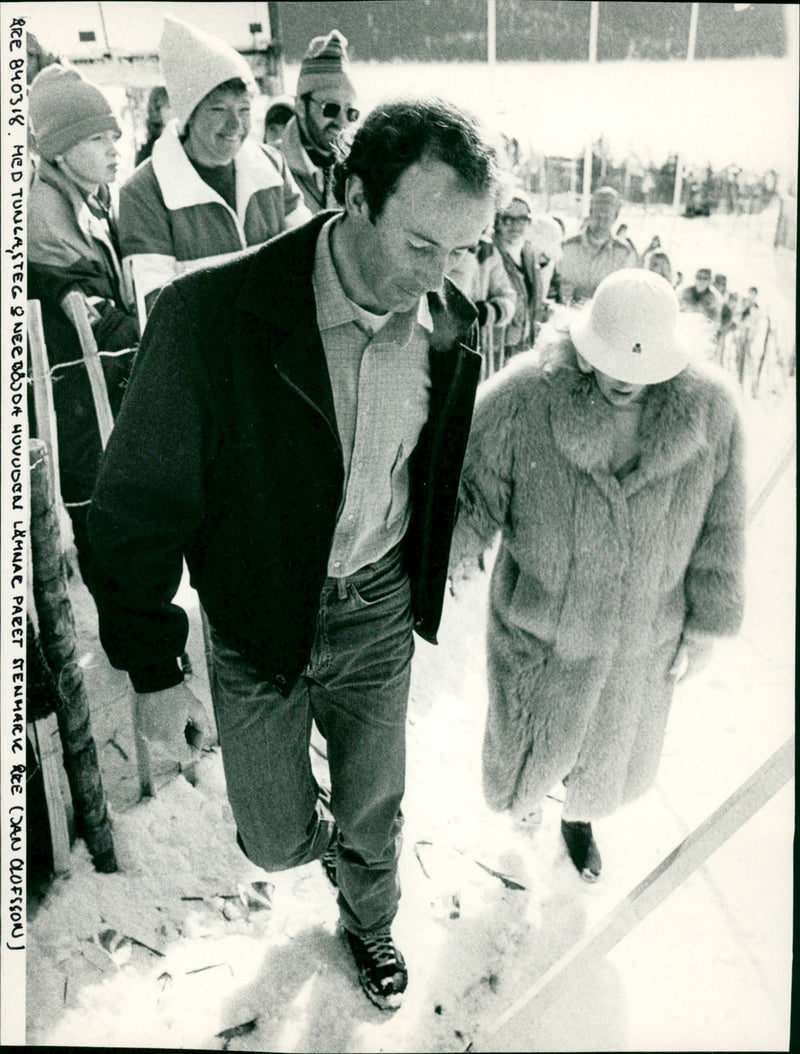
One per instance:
(227, 452)
(527, 282)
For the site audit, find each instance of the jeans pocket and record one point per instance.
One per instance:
(370, 594)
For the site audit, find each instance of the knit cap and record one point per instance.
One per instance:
(64, 109)
(194, 63)
(325, 64)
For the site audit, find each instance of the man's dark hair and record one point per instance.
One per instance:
(397, 134)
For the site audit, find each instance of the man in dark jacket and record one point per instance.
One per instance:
(295, 428)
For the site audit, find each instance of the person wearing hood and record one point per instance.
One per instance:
(325, 105)
(208, 189)
(611, 466)
(73, 245)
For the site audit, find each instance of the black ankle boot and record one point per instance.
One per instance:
(582, 848)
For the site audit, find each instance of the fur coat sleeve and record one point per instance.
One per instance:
(487, 478)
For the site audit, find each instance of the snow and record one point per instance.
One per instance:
(190, 945)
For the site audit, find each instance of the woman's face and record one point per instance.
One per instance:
(618, 393)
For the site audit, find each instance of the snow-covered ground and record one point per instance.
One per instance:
(190, 945)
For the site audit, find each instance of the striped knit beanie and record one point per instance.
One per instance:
(194, 63)
(325, 64)
(65, 109)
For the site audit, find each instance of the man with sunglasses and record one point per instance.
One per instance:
(325, 107)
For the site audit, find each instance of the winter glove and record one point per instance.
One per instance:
(693, 655)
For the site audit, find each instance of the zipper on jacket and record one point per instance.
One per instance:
(312, 404)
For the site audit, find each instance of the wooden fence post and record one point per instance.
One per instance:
(57, 635)
(44, 406)
(74, 305)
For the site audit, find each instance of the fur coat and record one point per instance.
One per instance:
(595, 580)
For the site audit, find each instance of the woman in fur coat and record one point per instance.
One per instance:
(612, 469)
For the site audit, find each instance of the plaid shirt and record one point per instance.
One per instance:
(380, 378)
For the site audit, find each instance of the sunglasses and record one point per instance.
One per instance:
(333, 109)
(503, 218)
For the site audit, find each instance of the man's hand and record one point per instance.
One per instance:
(693, 655)
(173, 717)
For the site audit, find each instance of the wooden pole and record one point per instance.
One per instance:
(44, 407)
(74, 306)
(276, 39)
(43, 700)
(690, 49)
(670, 873)
(57, 635)
(491, 33)
(587, 153)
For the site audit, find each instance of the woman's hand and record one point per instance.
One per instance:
(692, 656)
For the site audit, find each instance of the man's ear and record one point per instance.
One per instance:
(355, 199)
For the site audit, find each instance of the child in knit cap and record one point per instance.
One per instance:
(73, 245)
(208, 189)
(325, 105)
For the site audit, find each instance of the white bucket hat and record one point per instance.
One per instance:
(631, 329)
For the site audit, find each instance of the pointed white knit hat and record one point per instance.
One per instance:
(631, 329)
(193, 63)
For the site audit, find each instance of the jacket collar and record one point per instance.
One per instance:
(88, 224)
(278, 288)
(528, 257)
(278, 291)
(676, 423)
(291, 146)
(180, 182)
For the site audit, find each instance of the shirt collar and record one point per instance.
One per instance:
(334, 307)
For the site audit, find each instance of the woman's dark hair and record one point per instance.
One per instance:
(397, 134)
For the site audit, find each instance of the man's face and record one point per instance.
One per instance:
(603, 210)
(325, 113)
(93, 160)
(512, 224)
(702, 280)
(427, 224)
(219, 126)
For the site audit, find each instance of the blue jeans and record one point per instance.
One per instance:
(355, 687)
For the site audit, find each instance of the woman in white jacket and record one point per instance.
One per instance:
(612, 469)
